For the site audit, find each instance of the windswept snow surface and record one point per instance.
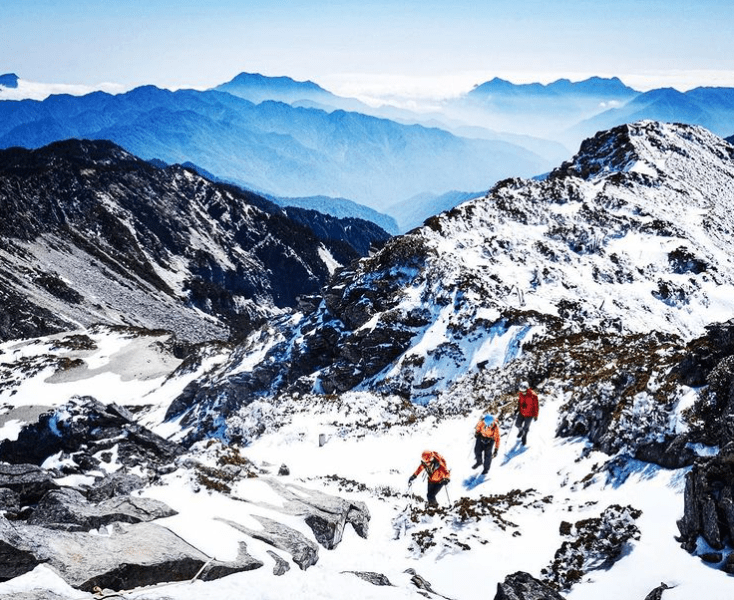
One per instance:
(372, 464)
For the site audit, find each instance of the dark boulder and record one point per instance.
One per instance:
(27, 484)
(523, 586)
(708, 502)
(592, 544)
(84, 427)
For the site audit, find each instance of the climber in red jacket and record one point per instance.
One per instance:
(527, 411)
(438, 474)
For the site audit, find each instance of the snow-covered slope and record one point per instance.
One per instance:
(630, 237)
(602, 285)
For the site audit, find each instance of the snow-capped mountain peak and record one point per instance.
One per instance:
(651, 148)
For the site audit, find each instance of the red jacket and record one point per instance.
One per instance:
(489, 432)
(528, 403)
(435, 466)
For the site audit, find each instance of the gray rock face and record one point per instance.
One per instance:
(128, 556)
(34, 595)
(27, 483)
(68, 509)
(281, 566)
(326, 515)
(523, 586)
(709, 502)
(304, 552)
(83, 427)
(372, 577)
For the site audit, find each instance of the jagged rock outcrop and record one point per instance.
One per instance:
(657, 593)
(304, 552)
(23, 485)
(281, 566)
(709, 506)
(325, 514)
(374, 578)
(69, 510)
(83, 429)
(523, 586)
(595, 543)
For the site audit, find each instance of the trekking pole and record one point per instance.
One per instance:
(446, 487)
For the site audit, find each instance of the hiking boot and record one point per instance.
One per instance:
(477, 464)
(485, 471)
(524, 439)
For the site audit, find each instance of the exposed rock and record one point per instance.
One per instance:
(372, 577)
(34, 595)
(523, 586)
(27, 483)
(326, 515)
(597, 544)
(96, 230)
(729, 564)
(68, 509)
(281, 566)
(128, 556)
(657, 593)
(9, 502)
(711, 557)
(708, 510)
(673, 453)
(244, 562)
(83, 427)
(304, 552)
(424, 586)
(119, 483)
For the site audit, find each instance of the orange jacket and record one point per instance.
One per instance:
(528, 403)
(435, 466)
(489, 432)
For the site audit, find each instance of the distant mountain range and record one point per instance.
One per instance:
(284, 138)
(709, 107)
(272, 147)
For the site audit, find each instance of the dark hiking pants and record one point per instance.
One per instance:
(433, 489)
(483, 451)
(523, 426)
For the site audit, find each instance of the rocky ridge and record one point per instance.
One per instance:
(98, 235)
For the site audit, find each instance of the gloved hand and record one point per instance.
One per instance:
(535, 418)
(411, 479)
(494, 454)
(446, 481)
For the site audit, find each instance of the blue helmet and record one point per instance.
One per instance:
(488, 420)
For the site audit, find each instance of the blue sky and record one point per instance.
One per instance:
(420, 47)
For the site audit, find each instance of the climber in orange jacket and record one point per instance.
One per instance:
(438, 474)
(487, 443)
(527, 411)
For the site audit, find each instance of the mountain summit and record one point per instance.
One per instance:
(258, 88)
(631, 236)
